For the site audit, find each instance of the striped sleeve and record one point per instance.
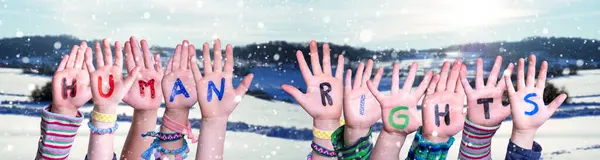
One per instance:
(57, 134)
(476, 141)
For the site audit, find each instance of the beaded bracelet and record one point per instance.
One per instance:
(164, 137)
(102, 131)
(322, 150)
(108, 118)
(159, 152)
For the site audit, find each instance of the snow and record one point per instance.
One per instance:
(556, 135)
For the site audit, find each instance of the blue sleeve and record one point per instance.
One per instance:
(514, 152)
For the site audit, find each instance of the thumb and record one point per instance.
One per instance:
(557, 102)
(294, 92)
(131, 77)
(244, 85)
(373, 88)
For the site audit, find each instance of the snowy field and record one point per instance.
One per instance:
(567, 138)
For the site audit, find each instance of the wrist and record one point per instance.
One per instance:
(64, 110)
(326, 124)
(523, 138)
(435, 139)
(106, 109)
(145, 111)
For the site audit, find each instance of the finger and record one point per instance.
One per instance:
(99, 56)
(378, 76)
(541, 82)
(218, 57)
(340, 67)
(229, 59)
(184, 59)
(195, 69)
(408, 83)
(463, 79)
(314, 59)
(531, 71)
(107, 53)
(459, 88)
(158, 64)
(556, 103)
(433, 84)
(129, 60)
(118, 55)
(347, 81)
(177, 57)
(443, 76)
(148, 61)
(72, 56)
(479, 74)
(169, 66)
(131, 77)
(423, 86)
(521, 74)
(493, 78)
(63, 63)
(509, 84)
(206, 58)
(302, 65)
(244, 85)
(88, 60)
(508, 71)
(453, 79)
(80, 55)
(395, 78)
(294, 92)
(326, 59)
(375, 91)
(358, 76)
(367, 74)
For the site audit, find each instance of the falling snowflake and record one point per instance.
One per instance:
(146, 15)
(260, 25)
(25, 60)
(57, 45)
(276, 57)
(326, 19)
(19, 34)
(366, 35)
(545, 31)
(580, 62)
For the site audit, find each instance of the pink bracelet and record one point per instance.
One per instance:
(179, 128)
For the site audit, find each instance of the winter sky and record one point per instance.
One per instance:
(375, 24)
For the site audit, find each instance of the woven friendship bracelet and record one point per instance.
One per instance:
(179, 128)
(164, 137)
(108, 118)
(322, 134)
(322, 150)
(423, 149)
(359, 150)
(101, 131)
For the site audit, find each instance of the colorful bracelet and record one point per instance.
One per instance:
(322, 150)
(423, 149)
(159, 152)
(360, 150)
(108, 118)
(102, 131)
(179, 128)
(164, 137)
(322, 134)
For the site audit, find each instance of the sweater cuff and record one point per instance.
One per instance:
(57, 134)
(424, 149)
(515, 152)
(476, 141)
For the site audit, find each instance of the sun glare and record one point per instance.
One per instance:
(472, 13)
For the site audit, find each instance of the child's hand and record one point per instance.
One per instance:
(145, 93)
(527, 104)
(71, 82)
(178, 83)
(361, 109)
(485, 102)
(400, 114)
(216, 94)
(108, 86)
(323, 98)
(443, 114)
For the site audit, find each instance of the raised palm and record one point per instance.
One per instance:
(146, 92)
(447, 99)
(108, 86)
(328, 106)
(216, 94)
(399, 109)
(178, 83)
(67, 98)
(527, 105)
(483, 96)
(361, 109)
